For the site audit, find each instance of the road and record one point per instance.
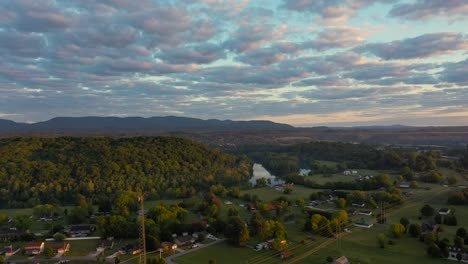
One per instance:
(53, 260)
(170, 260)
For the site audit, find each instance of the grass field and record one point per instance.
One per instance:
(268, 194)
(82, 247)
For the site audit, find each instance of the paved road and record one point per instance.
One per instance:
(170, 259)
(52, 260)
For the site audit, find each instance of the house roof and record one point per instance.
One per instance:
(444, 210)
(75, 228)
(33, 245)
(342, 260)
(286, 254)
(57, 246)
(183, 239)
(166, 244)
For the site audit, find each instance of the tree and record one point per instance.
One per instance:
(2, 259)
(452, 180)
(414, 185)
(329, 259)
(382, 240)
(288, 189)
(427, 210)
(256, 223)
(236, 231)
(461, 232)
(341, 203)
(212, 261)
(59, 237)
(397, 230)
(22, 222)
(459, 256)
(405, 222)
(415, 230)
(49, 252)
(458, 242)
(433, 250)
(259, 183)
(232, 211)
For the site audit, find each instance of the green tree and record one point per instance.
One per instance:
(397, 230)
(427, 210)
(288, 189)
(382, 240)
(461, 232)
(236, 231)
(3, 218)
(405, 222)
(49, 252)
(415, 230)
(212, 261)
(22, 222)
(340, 203)
(2, 259)
(256, 223)
(434, 251)
(59, 237)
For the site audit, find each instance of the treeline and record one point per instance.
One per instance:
(55, 170)
(283, 160)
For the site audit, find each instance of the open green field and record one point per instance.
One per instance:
(82, 247)
(268, 194)
(339, 177)
(222, 252)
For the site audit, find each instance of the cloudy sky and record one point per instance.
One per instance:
(302, 62)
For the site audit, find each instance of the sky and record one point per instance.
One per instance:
(300, 62)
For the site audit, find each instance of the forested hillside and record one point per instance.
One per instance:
(55, 170)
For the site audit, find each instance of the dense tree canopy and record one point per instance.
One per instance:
(49, 170)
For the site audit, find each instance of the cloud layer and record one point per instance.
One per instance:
(236, 59)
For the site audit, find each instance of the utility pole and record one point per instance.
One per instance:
(142, 230)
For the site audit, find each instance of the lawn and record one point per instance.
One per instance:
(222, 252)
(82, 247)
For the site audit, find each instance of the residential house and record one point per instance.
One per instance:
(364, 224)
(34, 248)
(454, 251)
(9, 234)
(346, 172)
(168, 246)
(444, 211)
(184, 240)
(351, 212)
(105, 244)
(342, 260)
(361, 205)
(131, 249)
(9, 250)
(365, 212)
(60, 248)
(81, 230)
(404, 185)
(201, 234)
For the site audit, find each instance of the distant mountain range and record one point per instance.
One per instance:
(67, 125)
